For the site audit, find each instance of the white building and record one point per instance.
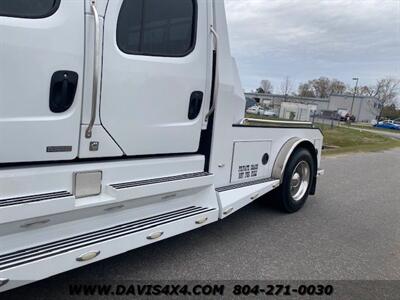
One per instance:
(295, 111)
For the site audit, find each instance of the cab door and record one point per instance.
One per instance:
(41, 66)
(156, 70)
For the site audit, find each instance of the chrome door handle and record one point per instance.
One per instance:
(96, 63)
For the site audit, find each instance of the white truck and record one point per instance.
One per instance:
(121, 124)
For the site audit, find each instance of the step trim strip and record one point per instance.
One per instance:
(34, 198)
(95, 233)
(24, 256)
(243, 184)
(132, 184)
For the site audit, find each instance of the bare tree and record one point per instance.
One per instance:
(322, 87)
(386, 93)
(366, 91)
(267, 86)
(337, 87)
(286, 86)
(306, 90)
(391, 112)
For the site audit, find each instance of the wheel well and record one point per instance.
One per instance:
(310, 147)
(287, 152)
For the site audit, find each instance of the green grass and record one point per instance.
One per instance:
(344, 140)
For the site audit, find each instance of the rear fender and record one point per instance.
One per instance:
(286, 152)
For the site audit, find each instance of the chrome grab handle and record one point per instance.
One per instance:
(89, 129)
(266, 121)
(216, 38)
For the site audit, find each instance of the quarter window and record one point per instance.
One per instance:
(28, 8)
(157, 27)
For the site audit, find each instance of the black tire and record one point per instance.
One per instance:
(283, 193)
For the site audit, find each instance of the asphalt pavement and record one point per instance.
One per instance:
(349, 231)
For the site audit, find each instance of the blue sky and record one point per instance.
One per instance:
(306, 39)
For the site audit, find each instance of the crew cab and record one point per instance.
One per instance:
(122, 123)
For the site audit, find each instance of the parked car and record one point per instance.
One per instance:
(342, 113)
(253, 110)
(250, 102)
(270, 113)
(388, 124)
(348, 117)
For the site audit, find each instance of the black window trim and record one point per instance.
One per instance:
(51, 12)
(189, 51)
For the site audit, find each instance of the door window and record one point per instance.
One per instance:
(157, 27)
(28, 8)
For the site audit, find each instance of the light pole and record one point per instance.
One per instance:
(356, 79)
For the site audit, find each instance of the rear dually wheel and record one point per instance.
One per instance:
(297, 180)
